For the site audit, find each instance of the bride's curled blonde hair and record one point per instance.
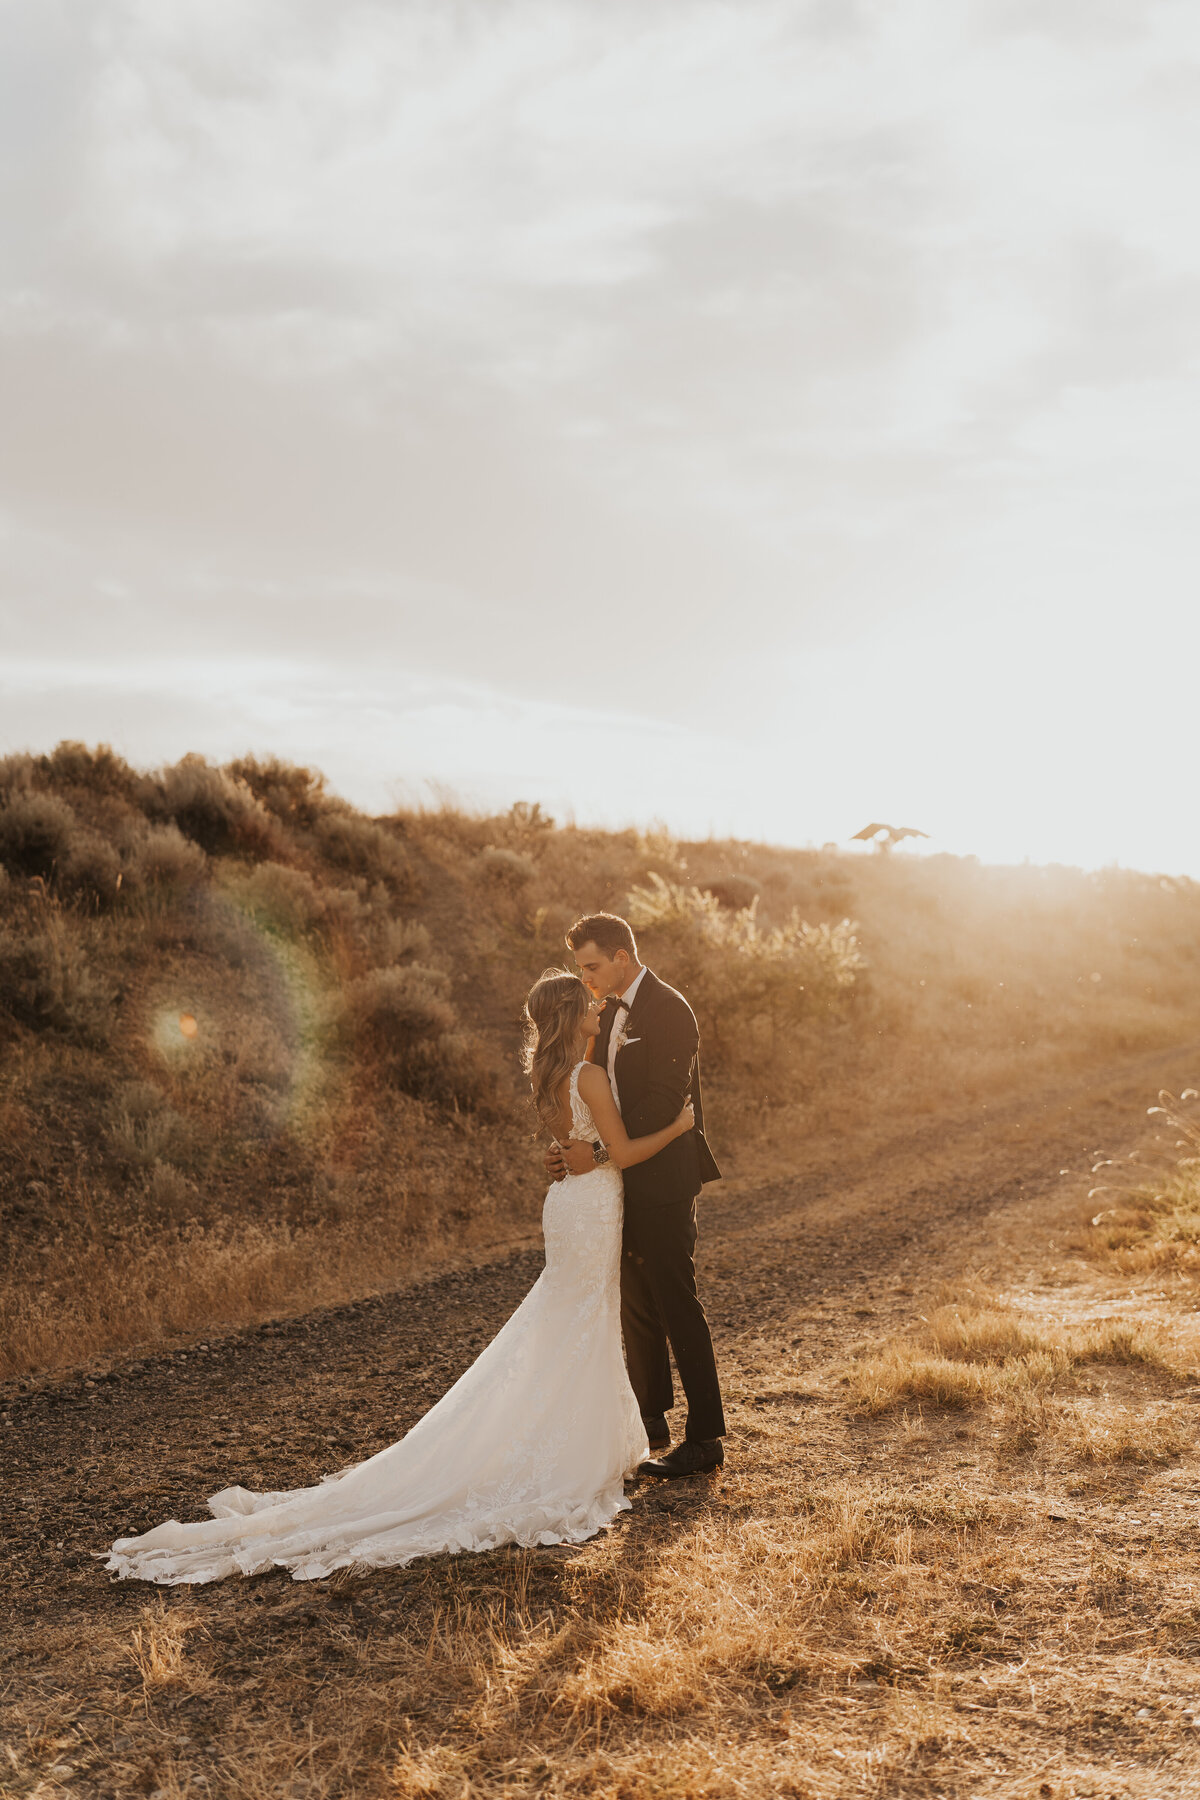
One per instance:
(554, 1011)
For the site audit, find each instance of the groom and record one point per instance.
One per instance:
(648, 1042)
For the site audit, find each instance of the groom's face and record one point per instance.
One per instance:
(603, 974)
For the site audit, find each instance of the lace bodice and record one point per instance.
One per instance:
(583, 1126)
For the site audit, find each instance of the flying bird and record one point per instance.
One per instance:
(891, 835)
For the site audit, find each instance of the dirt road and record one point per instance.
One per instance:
(830, 1257)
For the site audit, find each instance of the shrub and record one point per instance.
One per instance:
(16, 772)
(451, 1071)
(736, 893)
(141, 1100)
(162, 860)
(527, 817)
(26, 990)
(145, 1130)
(35, 832)
(100, 770)
(827, 955)
(262, 1058)
(503, 871)
(403, 941)
(287, 899)
(296, 796)
(351, 842)
(345, 910)
(402, 1016)
(91, 870)
(46, 982)
(215, 810)
(749, 982)
(397, 1008)
(169, 1193)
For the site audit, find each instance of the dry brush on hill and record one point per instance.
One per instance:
(257, 1050)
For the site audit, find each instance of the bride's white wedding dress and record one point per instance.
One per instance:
(530, 1447)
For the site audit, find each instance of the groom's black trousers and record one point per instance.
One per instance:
(659, 1305)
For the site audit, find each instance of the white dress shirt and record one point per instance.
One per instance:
(620, 1020)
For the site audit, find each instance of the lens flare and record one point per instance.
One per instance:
(196, 1030)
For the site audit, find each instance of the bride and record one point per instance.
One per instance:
(532, 1444)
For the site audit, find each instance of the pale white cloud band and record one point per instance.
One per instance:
(839, 360)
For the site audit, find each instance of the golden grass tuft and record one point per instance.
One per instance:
(157, 1646)
(1153, 1224)
(977, 1349)
(1126, 1436)
(429, 1774)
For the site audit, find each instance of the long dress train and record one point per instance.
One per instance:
(530, 1446)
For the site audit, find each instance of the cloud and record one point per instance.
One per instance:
(507, 346)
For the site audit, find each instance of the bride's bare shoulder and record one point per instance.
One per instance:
(592, 1080)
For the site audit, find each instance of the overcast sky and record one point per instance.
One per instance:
(763, 417)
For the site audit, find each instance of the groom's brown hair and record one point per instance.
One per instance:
(608, 931)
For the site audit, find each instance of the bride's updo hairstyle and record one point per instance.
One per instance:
(554, 1011)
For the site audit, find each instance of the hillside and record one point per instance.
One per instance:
(258, 1051)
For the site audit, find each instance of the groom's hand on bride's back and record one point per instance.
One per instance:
(572, 1158)
(556, 1163)
(577, 1158)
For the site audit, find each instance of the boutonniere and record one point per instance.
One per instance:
(624, 1038)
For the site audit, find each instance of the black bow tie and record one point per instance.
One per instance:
(615, 1000)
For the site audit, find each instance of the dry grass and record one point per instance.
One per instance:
(898, 1600)
(977, 1349)
(157, 1647)
(192, 1280)
(844, 1636)
(1128, 1436)
(1149, 1200)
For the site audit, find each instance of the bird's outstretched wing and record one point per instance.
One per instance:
(891, 834)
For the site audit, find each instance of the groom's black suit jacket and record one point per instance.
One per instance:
(655, 1072)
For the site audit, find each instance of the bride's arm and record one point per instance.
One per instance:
(622, 1149)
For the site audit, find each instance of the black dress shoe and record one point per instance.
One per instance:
(658, 1432)
(689, 1458)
